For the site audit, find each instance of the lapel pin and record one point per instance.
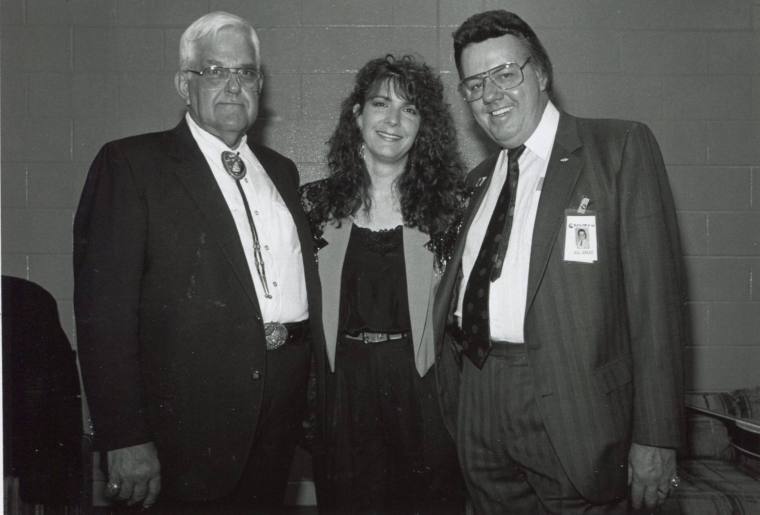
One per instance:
(480, 182)
(563, 160)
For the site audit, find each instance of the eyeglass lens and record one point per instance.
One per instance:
(218, 75)
(505, 76)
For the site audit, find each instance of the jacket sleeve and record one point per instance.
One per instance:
(654, 292)
(110, 231)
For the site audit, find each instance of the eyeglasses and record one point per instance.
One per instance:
(217, 76)
(505, 76)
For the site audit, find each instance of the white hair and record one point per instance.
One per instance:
(210, 24)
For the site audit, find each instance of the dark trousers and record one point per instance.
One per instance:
(261, 488)
(508, 461)
(388, 451)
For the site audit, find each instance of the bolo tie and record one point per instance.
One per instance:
(236, 168)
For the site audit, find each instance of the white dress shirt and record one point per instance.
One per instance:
(278, 238)
(508, 294)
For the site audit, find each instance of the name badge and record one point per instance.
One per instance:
(580, 237)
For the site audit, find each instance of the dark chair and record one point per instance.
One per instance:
(42, 406)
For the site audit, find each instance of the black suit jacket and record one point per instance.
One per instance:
(170, 333)
(604, 339)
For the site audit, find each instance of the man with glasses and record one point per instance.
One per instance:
(196, 295)
(559, 367)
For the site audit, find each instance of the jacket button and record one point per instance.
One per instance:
(256, 375)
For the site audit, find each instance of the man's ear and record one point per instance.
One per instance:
(181, 84)
(542, 79)
(261, 85)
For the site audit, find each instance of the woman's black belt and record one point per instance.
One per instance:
(372, 337)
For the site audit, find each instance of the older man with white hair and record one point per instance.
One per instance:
(196, 295)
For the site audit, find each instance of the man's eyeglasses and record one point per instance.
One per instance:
(217, 76)
(505, 76)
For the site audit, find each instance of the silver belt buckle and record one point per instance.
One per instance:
(276, 334)
(374, 337)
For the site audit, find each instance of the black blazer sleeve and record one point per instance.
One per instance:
(110, 229)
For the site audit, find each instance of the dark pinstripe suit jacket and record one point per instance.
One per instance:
(604, 339)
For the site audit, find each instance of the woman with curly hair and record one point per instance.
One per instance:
(384, 219)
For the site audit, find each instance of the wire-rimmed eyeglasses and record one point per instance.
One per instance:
(217, 76)
(505, 76)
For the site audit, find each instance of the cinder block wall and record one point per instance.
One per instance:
(77, 73)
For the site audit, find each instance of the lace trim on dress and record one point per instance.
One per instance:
(379, 241)
(441, 244)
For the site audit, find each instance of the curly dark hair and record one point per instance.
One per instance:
(497, 23)
(431, 189)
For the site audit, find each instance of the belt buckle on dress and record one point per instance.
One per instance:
(276, 334)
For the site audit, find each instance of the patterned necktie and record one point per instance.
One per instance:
(476, 340)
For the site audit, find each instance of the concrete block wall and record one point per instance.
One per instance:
(78, 73)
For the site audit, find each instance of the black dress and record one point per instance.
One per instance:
(387, 450)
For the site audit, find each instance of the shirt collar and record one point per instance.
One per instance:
(208, 142)
(541, 141)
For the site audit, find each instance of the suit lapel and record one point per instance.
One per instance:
(331, 258)
(561, 175)
(479, 178)
(418, 261)
(190, 166)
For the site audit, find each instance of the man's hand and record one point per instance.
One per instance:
(650, 470)
(134, 474)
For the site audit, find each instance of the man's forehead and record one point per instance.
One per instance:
(234, 61)
(227, 44)
(507, 47)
